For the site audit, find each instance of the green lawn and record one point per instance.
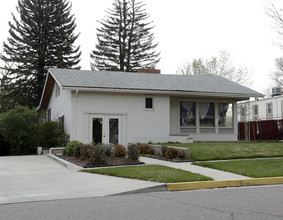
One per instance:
(252, 168)
(155, 173)
(232, 150)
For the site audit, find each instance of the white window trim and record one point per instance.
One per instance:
(148, 109)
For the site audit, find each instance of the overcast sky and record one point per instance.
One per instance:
(188, 29)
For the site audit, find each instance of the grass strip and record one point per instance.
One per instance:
(232, 150)
(252, 168)
(155, 173)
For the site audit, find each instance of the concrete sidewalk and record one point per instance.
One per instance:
(212, 173)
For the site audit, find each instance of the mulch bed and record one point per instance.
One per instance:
(111, 161)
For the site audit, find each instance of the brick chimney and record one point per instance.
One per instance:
(149, 70)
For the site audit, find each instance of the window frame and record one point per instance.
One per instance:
(195, 115)
(49, 114)
(145, 103)
(269, 108)
(57, 90)
(214, 114)
(230, 104)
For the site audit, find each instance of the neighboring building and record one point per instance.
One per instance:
(121, 107)
(263, 109)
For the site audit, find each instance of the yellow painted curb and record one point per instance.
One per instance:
(263, 181)
(223, 183)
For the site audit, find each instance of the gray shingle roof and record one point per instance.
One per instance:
(156, 82)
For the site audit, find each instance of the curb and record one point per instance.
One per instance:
(224, 183)
(67, 164)
(160, 188)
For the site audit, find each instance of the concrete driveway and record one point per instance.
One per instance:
(36, 178)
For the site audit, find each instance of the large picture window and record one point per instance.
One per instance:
(206, 114)
(225, 115)
(187, 113)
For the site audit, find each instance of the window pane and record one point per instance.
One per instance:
(114, 130)
(97, 130)
(206, 114)
(225, 115)
(148, 102)
(187, 114)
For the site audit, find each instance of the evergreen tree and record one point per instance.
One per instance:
(125, 41)
(42, 36)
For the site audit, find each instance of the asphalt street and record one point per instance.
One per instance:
(263, 202)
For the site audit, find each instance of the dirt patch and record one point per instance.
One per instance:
(111, 161)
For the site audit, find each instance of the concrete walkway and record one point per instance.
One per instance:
(212, 173)
(36, 178)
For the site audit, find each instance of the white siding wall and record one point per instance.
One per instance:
(61, 106)
(141, 125)
(277, 109)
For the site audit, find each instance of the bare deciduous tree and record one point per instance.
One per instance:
(220, 66)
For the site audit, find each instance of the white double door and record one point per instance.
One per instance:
(106, 129)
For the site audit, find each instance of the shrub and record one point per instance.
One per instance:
(84, 151)
(4, 147)
(181, 154)
(120, 150)
(19, 128)
(109, 149)
(164, 150)
(97, 155)
(133, 152)
(68, 151)
(52, 135)
(77, 151)
(146, 149)
(171, 153)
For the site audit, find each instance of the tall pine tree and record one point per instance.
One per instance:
(125, 41)
(42, 36)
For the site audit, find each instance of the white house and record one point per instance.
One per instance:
(121, 107)
(263, 109)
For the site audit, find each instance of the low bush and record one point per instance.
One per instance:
(97, 156)
(68, 151)
(181, 154)
(109, 149)
(164, 150)
(171, 153)
(77, 151)
(146, 149)
(120, 150)
(84, 151)
(133, 152)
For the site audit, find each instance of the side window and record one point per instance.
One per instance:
(148, 103)
(57, 90)
(269, 108)
(61, 123)
(49, 114)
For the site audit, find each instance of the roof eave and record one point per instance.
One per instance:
(237, 96)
